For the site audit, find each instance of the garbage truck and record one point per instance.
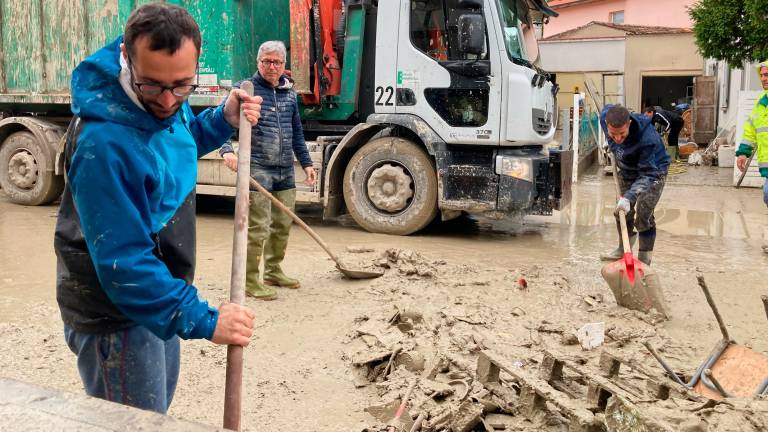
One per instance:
(414, 109)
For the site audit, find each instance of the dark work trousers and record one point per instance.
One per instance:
(640, 216)
(674, 133)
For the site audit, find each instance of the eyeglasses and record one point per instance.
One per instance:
(272, 63)
(153, 89)
(149, 89)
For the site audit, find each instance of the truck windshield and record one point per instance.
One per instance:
(510, 25)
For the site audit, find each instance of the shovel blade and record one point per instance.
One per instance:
(357, 273)
(643, 293)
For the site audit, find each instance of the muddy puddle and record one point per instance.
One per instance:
(463, 274)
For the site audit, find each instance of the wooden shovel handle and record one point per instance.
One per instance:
(304, 226)
(622, 216)
(233, 386)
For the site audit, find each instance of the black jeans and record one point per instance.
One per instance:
(674, 134)
(640, 216)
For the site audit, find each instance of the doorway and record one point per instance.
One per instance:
(664, 91)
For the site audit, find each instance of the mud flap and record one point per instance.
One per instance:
(560, 173)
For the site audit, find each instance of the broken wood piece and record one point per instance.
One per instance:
(623, 416)
(434, 367)
(711, 301)
(609, 365)
(551, 369)
(535, 392)
(765, 304)
(362, 359)
(391, 361)
(418, 422)
(487, 370)
(500, 421)
(467, 417)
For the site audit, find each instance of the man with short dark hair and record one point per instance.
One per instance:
(642, 163)
(277, 138)
(670, 122)
(125, 235)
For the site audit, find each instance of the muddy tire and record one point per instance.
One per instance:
(26, 173)
(390, 187)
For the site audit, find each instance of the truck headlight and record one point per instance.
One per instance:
(519, 168)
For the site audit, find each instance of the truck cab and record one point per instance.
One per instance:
(456, 82)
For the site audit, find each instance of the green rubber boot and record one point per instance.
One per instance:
(645, 257)
(274, 249)
(258, 228)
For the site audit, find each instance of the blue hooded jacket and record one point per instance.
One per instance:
(641, 158)
(129, 178)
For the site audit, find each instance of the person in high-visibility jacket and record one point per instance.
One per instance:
(755, 137)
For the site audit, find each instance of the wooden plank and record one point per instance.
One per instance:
(63, 40)
(25, 407)
(739, 369)
(22, 47)
(704, 112)
(535, 391)
(300, 46)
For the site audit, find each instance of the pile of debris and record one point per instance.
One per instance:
(436, 373)
(404, 261)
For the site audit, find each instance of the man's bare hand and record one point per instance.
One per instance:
(235, 325)
(741, 163)
(251, 106)
(311, 176)
(230, 160)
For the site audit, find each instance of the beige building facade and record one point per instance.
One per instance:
(636, 65)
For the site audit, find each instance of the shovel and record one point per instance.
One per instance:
(233, 386)
(634, 285)
(348, 272)
(396, 424)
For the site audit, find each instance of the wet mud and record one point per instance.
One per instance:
(515, 286)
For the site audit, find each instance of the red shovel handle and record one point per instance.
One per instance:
(629, 263)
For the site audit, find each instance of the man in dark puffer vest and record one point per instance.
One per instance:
(275, 139)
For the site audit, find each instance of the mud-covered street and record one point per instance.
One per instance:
(464, 274)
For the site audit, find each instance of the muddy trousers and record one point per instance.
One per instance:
(640, 218)
(268, 226)
(132, 366)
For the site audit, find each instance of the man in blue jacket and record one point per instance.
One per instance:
(125, 234)
(276, 139)
(643, 163)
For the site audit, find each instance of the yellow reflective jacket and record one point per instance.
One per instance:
(756, 131)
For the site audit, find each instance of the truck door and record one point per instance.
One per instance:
(528, 112)
(438, 77)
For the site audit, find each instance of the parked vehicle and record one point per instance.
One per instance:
(416, 108)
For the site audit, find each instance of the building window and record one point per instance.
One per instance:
(617, 17)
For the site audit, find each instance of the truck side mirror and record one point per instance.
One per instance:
(471, 34)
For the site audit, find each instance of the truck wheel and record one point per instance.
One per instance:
(26, 174)
(390, 187)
